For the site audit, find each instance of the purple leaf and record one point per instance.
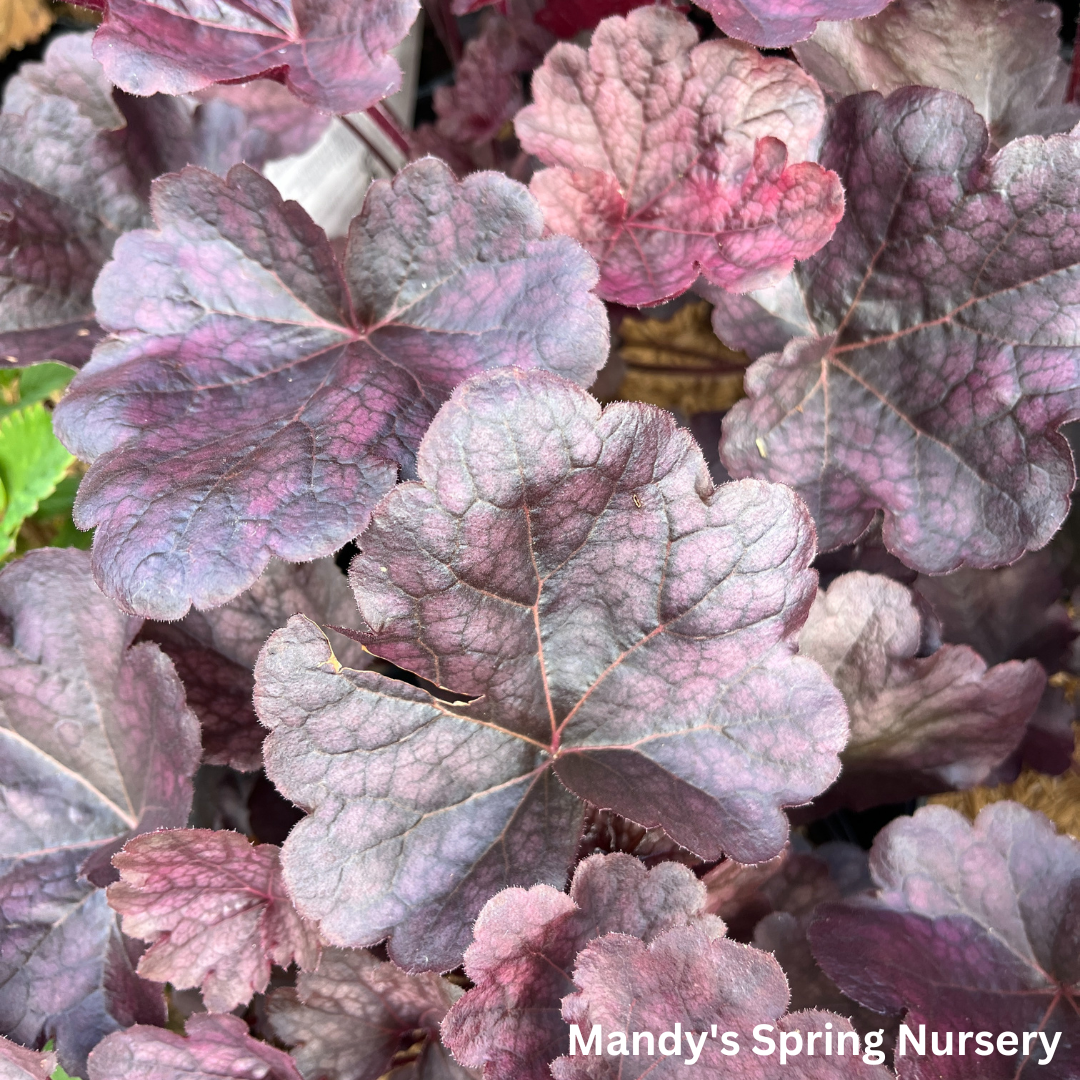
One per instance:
(973, 927)
(333, 55)
(773, 24)
(1004, 57)
(349, 1018)
(213, 909)
(758, 322)
(919, 724)
(659, 192)
(209, 458)
(943, 364)
(215, 651)
(626, 629)
(96, 745)
(525, 945)
(216, 1048)
(690, 978)
(17, 1063)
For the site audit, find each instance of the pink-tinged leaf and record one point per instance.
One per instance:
(919, 724)
(525, 945)
(758, 322)
(348, 1019)
(670, 158)
(773, 24)
(214, 911)
(333, 55)
(625, 627)
(216, 1048)
(687, 977)
(215, 651)
(1003, 56)
(945, 358)
(96, 745)
(18, 1063)
(972, 927)
(256, 398)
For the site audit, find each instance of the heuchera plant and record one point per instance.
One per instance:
(428, 699)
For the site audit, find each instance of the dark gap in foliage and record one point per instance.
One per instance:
(858, 826)
(345, 555)
(271, 816)
(436, 69)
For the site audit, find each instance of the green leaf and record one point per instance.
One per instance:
(32, 463)
(26, 386)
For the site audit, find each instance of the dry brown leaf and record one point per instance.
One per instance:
(1058, 797)
(21, 22)
(679, 363)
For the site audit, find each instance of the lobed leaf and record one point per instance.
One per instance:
(919, 724)
(624, 628)
(669, 158)
(256, 397)
(988, 917)
(349, 1018)
(685, 976)
(335, 56)
(774, 24)
(216, 1048)
(945, 357)
(97, 746)
(525, 944)
(214, 911)
(1003, 57)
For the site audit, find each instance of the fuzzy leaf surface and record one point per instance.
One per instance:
(1003, 57)
(918, 724)
(946, 354)
(215, 651)
(526, 942)
(209, 458)
(331, 54)
(214, 910)
(625, 628)
(988, 914)
(773, 24)
(347, 1019)
(669, 158)
(687, 976)
(216, 1048)
(18, 1063)
(96, 745)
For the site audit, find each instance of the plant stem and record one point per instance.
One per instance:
(387, 124)
(368, 143)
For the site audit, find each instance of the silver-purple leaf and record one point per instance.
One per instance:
(626, 629)
(989, 920)
(18, 1063)
(526, 942)
(947, 347)
(97, 746)
(777, 23)
(350, 1017)
(256, 397)
(919, 724)
(214, 911)
(216, 1048)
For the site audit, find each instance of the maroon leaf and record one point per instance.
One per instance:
(776, 23)
(349, 1018)
(942, 369)
(17, 1063)
(1002, 56)
(525, 945)
(96, 745)
(568, 18)
(973, 927)
(214, 911)
(626, 629)
(702, 983)
(919, 725)
(334, 56)
(670, 158)
(216, 1048)
(208, 460)
(215, 651)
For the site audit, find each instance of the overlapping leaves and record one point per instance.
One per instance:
(257, 397)
(776, 23)
(625, 629)
(946, 352)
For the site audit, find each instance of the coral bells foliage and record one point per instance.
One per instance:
(427, 702)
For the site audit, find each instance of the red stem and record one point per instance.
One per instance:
(446, 28)
(1074, 74)
(386, 123)
(368, 143)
